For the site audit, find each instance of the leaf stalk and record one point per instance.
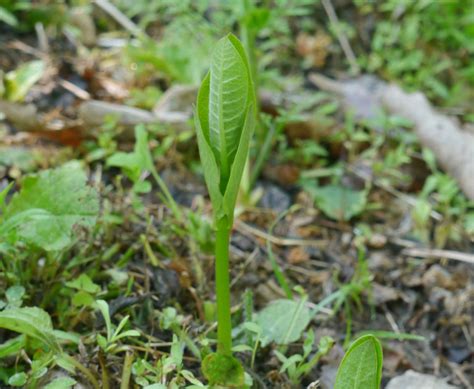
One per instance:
(224, 329)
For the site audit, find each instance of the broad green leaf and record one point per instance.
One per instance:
(50, 206)
(33, 322)
(19, 81)
(61, 383)
(337, 202)
(283, 321)
(18, 379)
(361, 367)
(228, 99)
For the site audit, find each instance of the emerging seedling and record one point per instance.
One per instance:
(225, 120)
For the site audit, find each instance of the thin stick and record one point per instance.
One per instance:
(43, 43)
(436, 253)
(120, 17)
(74, 89)
(249, 230)
(105, 373)
(341, 37)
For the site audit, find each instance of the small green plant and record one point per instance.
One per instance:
(298, 365)
(139, 162)
(225, 117)
(36, 325)
(109, 344)
(361, 367)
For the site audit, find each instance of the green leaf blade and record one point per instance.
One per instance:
(283, 321)
(361, 367)
(228, 100)
(50, 206)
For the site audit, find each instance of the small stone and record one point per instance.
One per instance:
(413, 380)
(298, 255)
(274, 198)
(436, 276)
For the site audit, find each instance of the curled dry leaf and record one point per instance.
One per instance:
(452, 146)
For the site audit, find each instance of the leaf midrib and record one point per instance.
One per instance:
(221, 129)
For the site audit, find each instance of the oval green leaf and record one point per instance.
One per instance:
(361, 367)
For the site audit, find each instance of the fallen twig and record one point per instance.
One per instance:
(74, 89)
(341, 37)
(120, 17)
(249, 230)
(452, 146)
(436, 253)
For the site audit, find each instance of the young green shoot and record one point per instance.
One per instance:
(225, 120)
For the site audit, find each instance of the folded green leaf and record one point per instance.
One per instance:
(229, 82)
(225, 119)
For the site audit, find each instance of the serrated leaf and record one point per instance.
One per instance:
(33, 322)
(49, 207)
(228, 99)
(283, 321)
(361, 367)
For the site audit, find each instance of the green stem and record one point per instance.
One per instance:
(84, 370)
(169, 199)
(263, 154)
(127, 370)
(224, 325)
